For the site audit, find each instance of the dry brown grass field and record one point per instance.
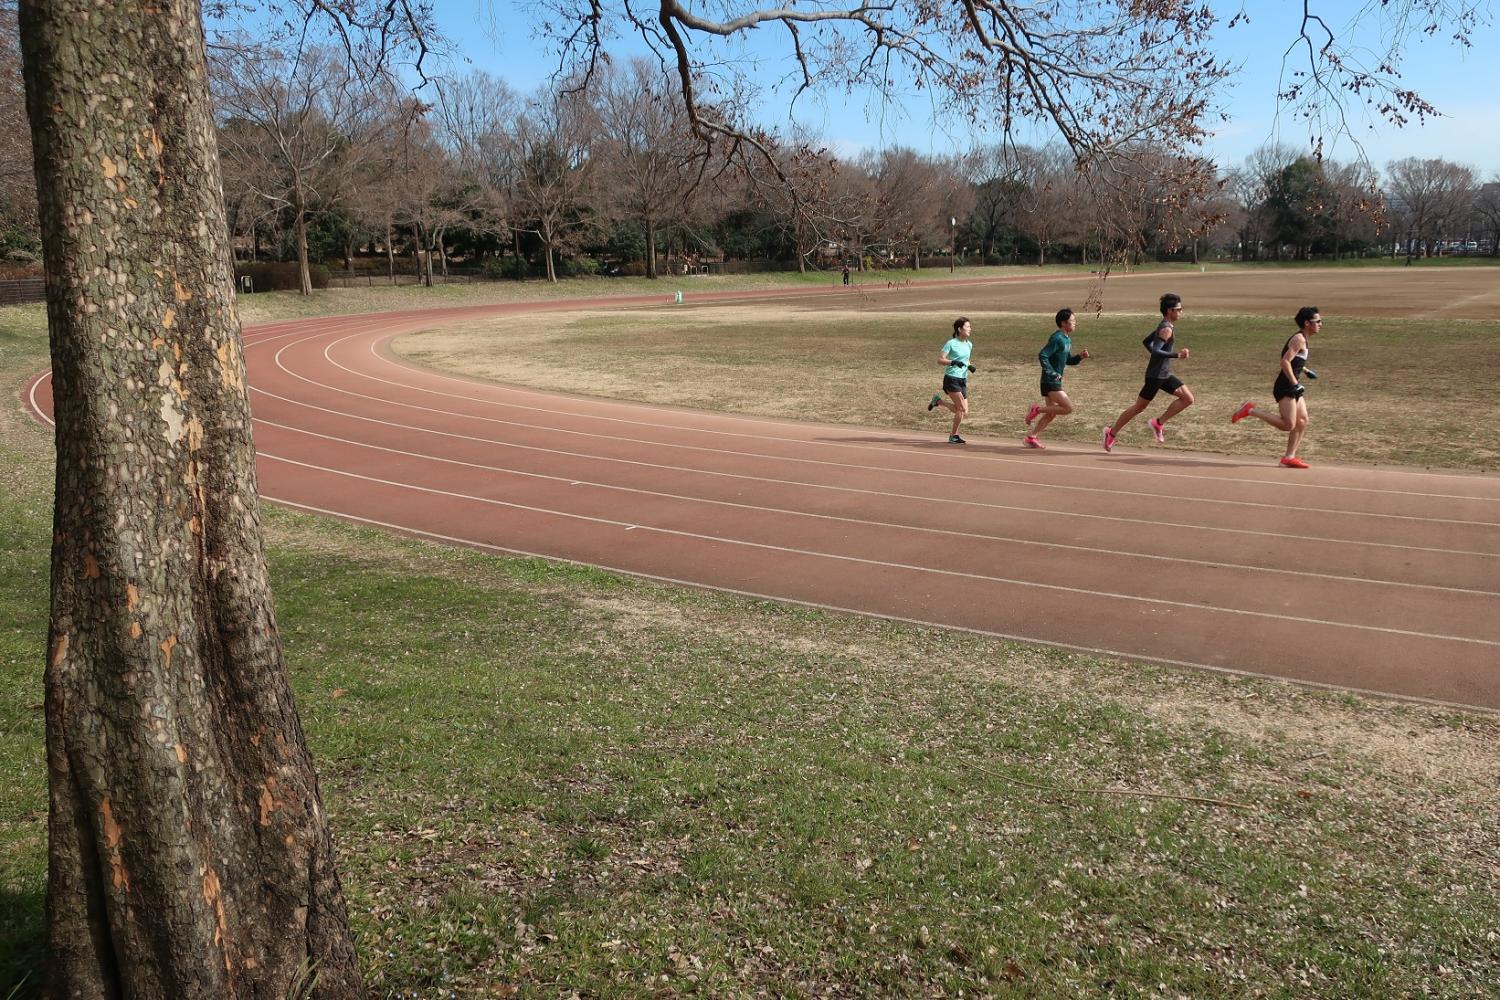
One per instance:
(1409, 357)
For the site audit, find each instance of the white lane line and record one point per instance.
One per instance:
(883, 564)
(851, 465)
(980, 504)
(925, 623)
(46, 376)
(386, 359)
(402, 365)
(903, 526)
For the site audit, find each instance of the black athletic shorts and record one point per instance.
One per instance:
(1049, 386)
(1154, 385)
(960, 385)
(1282, 389)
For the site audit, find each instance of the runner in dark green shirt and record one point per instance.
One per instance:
(1055, 356)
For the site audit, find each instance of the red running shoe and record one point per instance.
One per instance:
(1031, 441)
(1159, 430)
(1109, 439)
(1293, 463)
(1031, 413)
(1241, 413)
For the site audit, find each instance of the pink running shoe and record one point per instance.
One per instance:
(1031, 413)
(1031, 441)
(1159, 429)
(1241, 413)
(1109, 439)
(1293, 463)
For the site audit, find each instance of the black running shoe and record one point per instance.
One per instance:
(955, 439)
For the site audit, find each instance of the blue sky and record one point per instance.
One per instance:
(497, 35)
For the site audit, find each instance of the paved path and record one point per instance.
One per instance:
(1376, 580)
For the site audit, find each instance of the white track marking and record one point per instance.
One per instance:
(401, 365)
(1094, 550)
(884, 564)
(843, 465)
(988, 633)
(983, 505)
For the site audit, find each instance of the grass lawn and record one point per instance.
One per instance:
(547, 781)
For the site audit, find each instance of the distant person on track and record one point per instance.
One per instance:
(846, 274)
(1054, 356)
(1160, 344)
(955, 360)
(1289, 390)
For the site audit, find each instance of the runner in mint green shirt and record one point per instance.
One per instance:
(955, 361)
(1055, 356)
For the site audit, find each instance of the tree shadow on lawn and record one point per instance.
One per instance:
(23, 940)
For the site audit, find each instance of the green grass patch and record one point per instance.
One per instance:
(547, 780)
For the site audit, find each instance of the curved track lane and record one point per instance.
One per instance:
(1374, 580)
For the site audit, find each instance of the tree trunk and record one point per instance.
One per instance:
(442, 254)
(650, 247)
(299, 210)
(390, 250)
(551, 267)
(419, 246)
(189, 855)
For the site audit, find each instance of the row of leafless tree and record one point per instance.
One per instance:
(557, 170)
(304, 137)
(1284, 203)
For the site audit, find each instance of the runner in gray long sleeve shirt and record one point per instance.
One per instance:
(1161, 344)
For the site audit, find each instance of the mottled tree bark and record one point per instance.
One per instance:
(189, 854)
(299, 212)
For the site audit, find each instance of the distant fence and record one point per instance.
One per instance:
(365, 279)
(14, 291)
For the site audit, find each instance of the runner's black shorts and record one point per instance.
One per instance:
(1282, 389)
(960, 385)
(1169, 384)
(1050, 386)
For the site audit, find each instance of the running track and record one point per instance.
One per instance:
(1374, 580)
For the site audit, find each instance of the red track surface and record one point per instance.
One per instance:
(1375, 580)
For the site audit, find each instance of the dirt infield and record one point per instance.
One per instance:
(866, 356)
(1376, 293)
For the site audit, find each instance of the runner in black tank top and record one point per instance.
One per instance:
(1291, 404)
(1162, 347)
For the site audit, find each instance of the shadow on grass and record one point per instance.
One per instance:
(23, 939)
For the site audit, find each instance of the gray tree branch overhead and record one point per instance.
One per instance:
(1325, 65)
(1100, 74)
